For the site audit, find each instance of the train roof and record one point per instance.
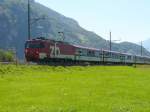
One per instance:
(117, 52)
(83, 47)
(90, 48)
(46, 39)
(40, 39)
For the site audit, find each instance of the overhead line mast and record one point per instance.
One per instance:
(29, 26)
(141, 48)
(110, 44)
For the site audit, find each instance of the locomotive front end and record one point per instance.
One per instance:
(34, 51)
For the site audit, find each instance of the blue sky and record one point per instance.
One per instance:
(129, 20)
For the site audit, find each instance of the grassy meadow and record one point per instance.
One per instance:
(34, 88)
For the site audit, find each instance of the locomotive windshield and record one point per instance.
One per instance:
(34, 45)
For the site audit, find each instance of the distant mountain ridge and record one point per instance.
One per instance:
(13, 28)
(146, 44)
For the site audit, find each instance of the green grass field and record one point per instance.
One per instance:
(74, 89)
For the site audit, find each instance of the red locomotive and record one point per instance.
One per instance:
(47, 51)
(41, 49)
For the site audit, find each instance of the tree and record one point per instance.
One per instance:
(6, 56)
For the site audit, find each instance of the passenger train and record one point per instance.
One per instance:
(41, 50)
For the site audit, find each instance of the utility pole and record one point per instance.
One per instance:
(110, 44)
(141, 48)
(29, 26)
(16, 57)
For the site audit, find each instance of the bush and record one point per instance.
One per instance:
(6, 56)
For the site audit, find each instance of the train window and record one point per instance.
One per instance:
(122, 56)
(97, 54)
(84, 52)
(115, 56)
(34, 45)
(107, 54)
(101, 53)
(91, 53)
(79, 52)
(128, 57)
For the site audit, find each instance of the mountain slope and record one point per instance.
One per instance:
(13, 28)
(146, 44)
(127, 46)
